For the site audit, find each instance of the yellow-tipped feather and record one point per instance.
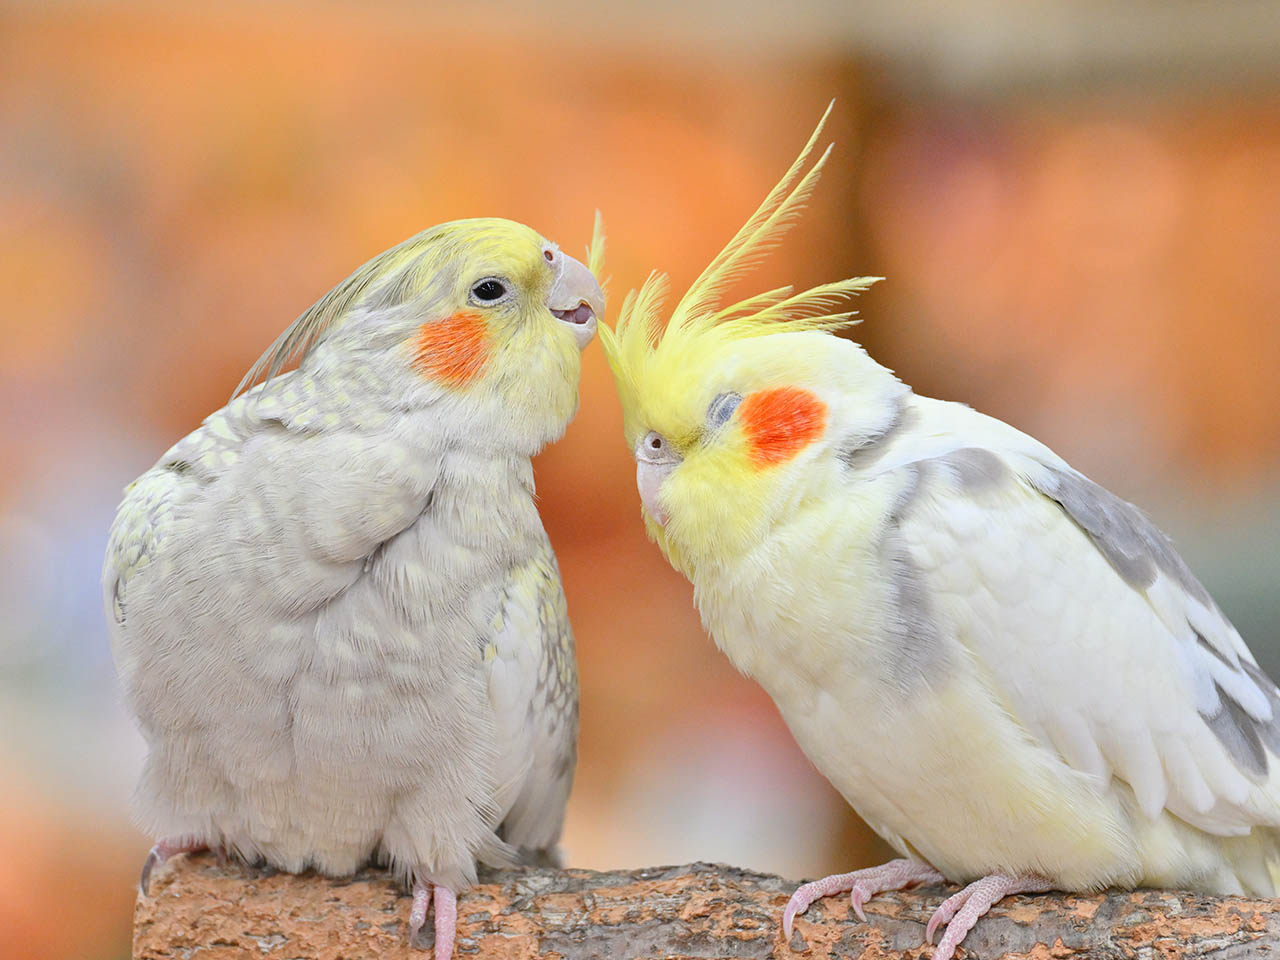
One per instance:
(595, 252)
(640, 351)
(758, 235)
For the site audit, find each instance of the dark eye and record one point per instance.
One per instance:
(654, 448)
(721, 409)
(489, 290)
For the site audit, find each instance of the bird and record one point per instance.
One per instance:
(333, 608)
(1007, 671)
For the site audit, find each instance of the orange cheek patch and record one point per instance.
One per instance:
(454, 349)
(781, 422)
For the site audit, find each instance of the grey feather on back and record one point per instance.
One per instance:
(1212, 650)
(976, 469)
(1139, 552)
(917, 650)
(1269, 732)
(1131, 542)
(1238, 732)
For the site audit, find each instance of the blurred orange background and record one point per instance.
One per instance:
(1077, 208)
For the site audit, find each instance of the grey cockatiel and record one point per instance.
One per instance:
(333, 607)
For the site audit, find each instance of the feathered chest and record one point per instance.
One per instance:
(803, 607)
(477, 524)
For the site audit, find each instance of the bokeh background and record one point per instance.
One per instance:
(1076, 205)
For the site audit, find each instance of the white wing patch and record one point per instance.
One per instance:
(1099, 639)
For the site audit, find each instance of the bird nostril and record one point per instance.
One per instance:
(549, 254)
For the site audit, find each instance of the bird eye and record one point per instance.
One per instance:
(549, 254)
(489, 290)
(721, 409)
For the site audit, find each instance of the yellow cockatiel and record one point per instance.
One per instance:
(1007, 670)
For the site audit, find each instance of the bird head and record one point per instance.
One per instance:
(733, 412)
(483, 320)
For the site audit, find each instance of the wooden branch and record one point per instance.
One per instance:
(199, 909)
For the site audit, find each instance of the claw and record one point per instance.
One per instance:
(162, 851)
(946, 910)
(809, 892)
(857, 897)
(962, 910)
(144, 882)
(862, 884)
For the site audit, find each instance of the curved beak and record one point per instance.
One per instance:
(651, 472)
(649, 477)
(576, 298)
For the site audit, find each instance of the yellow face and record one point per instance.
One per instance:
(483, 319)
(718, 446)
(727, 407)
(513, 304)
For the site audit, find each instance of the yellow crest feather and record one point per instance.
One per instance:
(595, 252)
(642, 353)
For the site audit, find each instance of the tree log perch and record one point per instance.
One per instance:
(200, 910)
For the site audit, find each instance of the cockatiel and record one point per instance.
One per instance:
(333, 607)
(1005, 669)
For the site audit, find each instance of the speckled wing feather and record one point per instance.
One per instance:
(533, 688)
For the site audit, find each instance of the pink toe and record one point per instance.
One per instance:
(861, 885)
(446, 922)
(418, 912)
(807, 893)
(946, 910)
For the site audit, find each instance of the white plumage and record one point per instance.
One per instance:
(1004, 668)
(1007, 670)
(1102, 731)
(334, 608)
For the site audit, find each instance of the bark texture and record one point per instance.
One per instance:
(200, 910)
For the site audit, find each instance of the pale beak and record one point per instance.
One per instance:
(575, 296)
(654, 463)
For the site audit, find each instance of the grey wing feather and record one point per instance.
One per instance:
(1235, 698)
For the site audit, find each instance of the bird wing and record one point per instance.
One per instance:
(1102, 643)
(251, 523)
(533, 688)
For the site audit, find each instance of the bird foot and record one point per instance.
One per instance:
(962, 910)
(862, 886)
(446, 904)
(162, 851)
